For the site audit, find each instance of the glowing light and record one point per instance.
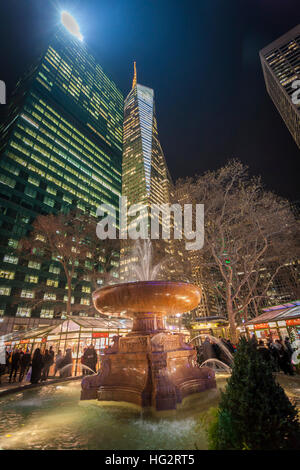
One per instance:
(71, 25)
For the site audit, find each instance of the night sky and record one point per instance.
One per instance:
(201, 58)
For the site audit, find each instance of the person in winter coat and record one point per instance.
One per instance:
(226, 350)
(264, 352)
(90, 357)
(51, 352)
(82, 360)
(37, 366)
(8, 360)
(208, 350)
(254, 341)
(284, 359)
(288, 347)
(25, 362)
(230, 346)
(58, 361)
(274, 356)
(47, 361)
(217, 350)
(15, 364)
(66, 361)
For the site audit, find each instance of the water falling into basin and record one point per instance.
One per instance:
(216, 365)
(68, 368)
(144, 269)
(228, 355)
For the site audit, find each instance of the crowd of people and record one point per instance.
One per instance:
(277, 353)
(20, 364)
(34, 368)
(216, 348)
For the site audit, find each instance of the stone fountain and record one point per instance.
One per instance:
(150, 367)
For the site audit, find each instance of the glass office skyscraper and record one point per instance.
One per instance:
(145, 175)
(60, 146)
(281, 66)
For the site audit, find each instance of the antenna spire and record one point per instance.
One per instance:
(134, 76)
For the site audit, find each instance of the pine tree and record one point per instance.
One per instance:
(254, 411)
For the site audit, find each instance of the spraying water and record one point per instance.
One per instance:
(221, 345)
(69, 367)
(217, 365)
(143, 269)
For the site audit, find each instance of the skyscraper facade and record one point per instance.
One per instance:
(60, 147)
(145, 176)
(281, 67)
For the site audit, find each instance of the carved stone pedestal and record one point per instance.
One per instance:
(150, 366)
(151, 370)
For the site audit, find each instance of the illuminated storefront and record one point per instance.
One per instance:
(203, 326)
(277, 322)
(75, 333)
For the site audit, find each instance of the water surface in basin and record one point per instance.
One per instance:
(52, 417)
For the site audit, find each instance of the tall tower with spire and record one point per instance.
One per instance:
(134, 76)
(145, 175)
(146, 178)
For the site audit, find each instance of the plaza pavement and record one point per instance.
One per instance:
(7, 388)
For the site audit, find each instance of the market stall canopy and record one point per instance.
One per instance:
(71, 324)
(277, 313)
(38, 332)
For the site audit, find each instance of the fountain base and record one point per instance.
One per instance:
(150, 370)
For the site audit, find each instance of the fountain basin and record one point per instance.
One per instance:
(132, 298)
(149, 367)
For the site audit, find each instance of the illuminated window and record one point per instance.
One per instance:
(30, 192)
(7, 181)
(83, 314)
(86, 289)
(51, 190)
(31, 279)
(5, 290)
(54, 269)
(33, 180)
(52, 283)
(10, 259)
(49, 296)
(88, 264)
(13, 243)
(40, 237)
(23, 312)
(49, 201)
(7, 274)
(45, 313)
(28, 294)
(34, 265)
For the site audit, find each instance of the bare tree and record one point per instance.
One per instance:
(63, 238)
(245, 226)
(105, 256)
